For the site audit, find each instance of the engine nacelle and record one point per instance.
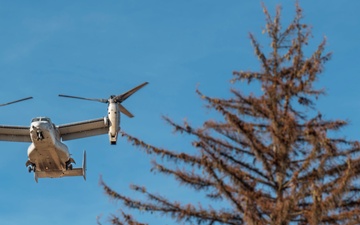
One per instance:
(113, 122)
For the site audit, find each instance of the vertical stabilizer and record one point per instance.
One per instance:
(84, 165)
(36, 176)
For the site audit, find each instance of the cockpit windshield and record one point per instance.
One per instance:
(41, 119)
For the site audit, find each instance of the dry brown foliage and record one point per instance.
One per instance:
(270, 157)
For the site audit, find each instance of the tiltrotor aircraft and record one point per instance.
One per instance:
(48, 156)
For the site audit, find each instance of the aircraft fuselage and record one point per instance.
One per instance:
(47, 153)
(48, 156)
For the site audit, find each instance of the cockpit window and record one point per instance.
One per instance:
(41, 119)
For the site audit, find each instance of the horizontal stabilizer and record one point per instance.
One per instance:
(74, 172)
(67, 173)
(58, 173)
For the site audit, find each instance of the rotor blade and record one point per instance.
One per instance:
(20, 100)
(89, 99)
(125, 111)
(123, 97)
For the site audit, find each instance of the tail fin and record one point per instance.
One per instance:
(84, 166)
(36, 176)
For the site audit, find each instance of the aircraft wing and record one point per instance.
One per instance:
(15, 133)
(83, 129)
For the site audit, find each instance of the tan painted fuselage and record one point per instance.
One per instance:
(46, 151)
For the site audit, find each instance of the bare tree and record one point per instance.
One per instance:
(272, 158)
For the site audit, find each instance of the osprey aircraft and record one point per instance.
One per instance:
(48, 156)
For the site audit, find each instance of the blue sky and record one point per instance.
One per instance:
(98, 48)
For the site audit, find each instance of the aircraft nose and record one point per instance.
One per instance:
(39, 126)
